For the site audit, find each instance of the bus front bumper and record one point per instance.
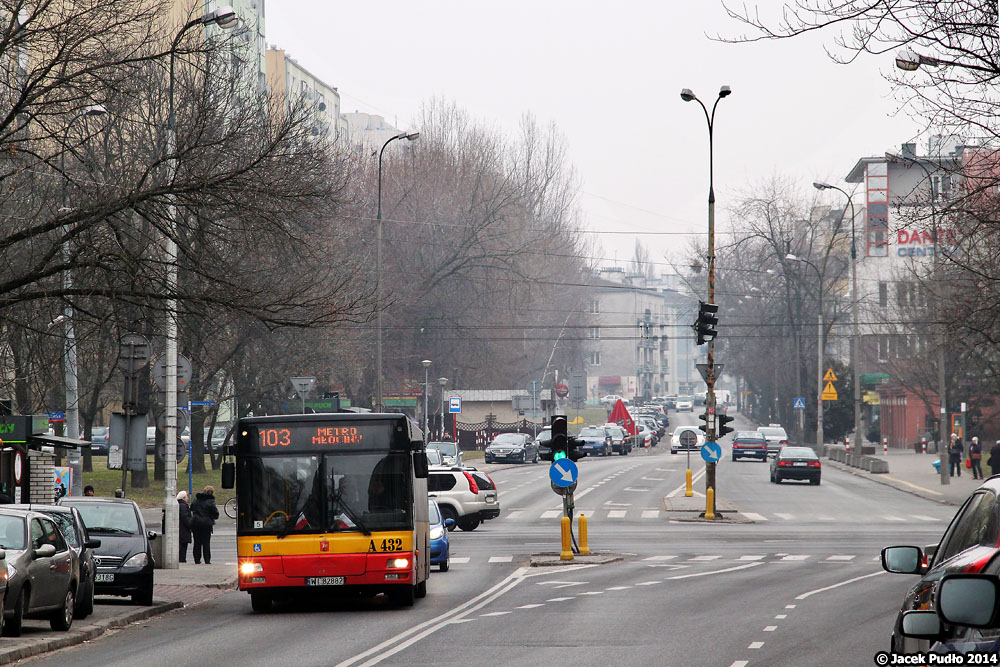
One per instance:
(327, 570)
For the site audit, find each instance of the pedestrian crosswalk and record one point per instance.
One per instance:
(649, 513)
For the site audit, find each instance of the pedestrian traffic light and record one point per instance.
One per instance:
(704, 417)
(559, 444)
(704, 327)
(724, 419)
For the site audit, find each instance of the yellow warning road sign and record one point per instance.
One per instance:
(829, 392)
(829, 377)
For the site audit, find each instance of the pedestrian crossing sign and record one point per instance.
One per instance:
(799, 404)
(829, 377)
(829, 392)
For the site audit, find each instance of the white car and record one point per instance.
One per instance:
(450, 453)
(684, 405)
(611, 399)
(686, 437)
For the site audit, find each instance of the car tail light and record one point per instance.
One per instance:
(784, 463)
(472, 483)
(814, 464)
(783, 442)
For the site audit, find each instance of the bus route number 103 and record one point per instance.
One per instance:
(273, 437)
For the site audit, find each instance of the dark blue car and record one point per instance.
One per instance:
(440, 551)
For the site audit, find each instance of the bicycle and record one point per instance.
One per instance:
(231, 508)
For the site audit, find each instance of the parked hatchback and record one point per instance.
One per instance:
(512, 447)
(124, 560)
(466, 495)
(74, 531)
(42, 571)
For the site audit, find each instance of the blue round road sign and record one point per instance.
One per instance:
(711, 452)
(563, 472)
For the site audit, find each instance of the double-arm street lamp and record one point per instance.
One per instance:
(855, 353)
(819, 351)
(225, 18)
(379, 405)
(688, 96)
(442, 381)
(72, 417)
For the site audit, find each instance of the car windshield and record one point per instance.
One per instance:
(616, 432)
(773, 432)
(433, 457)
(797, 453)
(12, 532)
(433, 513)
(591, 433)
(508, 439)
(544, 435)
(99, 430)
(109, 518)
(66, 526)
(446, 448)
(750, 438)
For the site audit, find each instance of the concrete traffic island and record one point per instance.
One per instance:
(553, 559)
(692, 510)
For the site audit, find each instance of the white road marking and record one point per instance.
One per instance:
(924, 518)
(551, 514)
(843, 583)
(515, 514)
(751, 557)
(770, 628)
(617, 588)
(841, 557)
(583, 493)
(740, 663)
(705, 558)
(530, 606)
(593, 593)
(796, 557)
(562, 584)
(698, 475)
(647, 583)
(894, 518)
(652, 558)
(650, 514)
(501, 559)
(496, 613)
(641, 490)
(461, 560)
(655, 479)
(786, 517)
(789, 606)
(705, 574)
(753, 516)
(781, 616)
(560, 599)
(755, 644)
(616, 514)
(825, 518)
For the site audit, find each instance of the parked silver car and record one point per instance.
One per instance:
(450, 452)
(42, 571)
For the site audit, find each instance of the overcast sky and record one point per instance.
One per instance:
(609, 75)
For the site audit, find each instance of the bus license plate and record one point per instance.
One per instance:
(325, 581)
(105, 578)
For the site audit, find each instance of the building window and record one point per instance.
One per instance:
(595, 358)
(883, 295)
(594, 308)
(594, 333)
(883, 349)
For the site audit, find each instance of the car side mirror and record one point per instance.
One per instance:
(903, 560)
(45, 551)
(968, 599)
(449, 523)
(92, 544)
(420, 465)
(921, 624)
(150, 534)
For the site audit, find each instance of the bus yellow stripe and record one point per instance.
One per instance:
(336, 543)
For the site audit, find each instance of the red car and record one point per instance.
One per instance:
(749, 444)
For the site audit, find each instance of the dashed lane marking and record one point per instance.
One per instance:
(650, 514)
(496, 613)
(551, 514)
(657, 558)
(770, 628)
(531, 606)
(841, 557)
(755, 644)
(786, 517)
(501, 559)
(753, 516)
(616, 514)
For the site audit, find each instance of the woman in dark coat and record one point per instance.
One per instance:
(185, 528)
(204, 513)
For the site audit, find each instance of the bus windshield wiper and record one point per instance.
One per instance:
(293, 519)
(351, 514)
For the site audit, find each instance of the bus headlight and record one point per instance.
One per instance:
(250, 567)
(398, 563)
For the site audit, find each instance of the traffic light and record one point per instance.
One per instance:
(722, 420)
(704, 417)
(559, 444)
(704, 327)
(575, 452)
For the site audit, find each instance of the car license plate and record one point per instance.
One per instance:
(325, 581)
(104, 578)
(800, 463)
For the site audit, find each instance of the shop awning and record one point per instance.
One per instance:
(46, 440)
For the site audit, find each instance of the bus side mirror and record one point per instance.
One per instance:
(420, 465)
(229, 475)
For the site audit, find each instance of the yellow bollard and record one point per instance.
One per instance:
(584, 549)
(709, 503)
(567, 544)
(688, 491)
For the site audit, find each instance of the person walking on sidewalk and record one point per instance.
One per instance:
(976, 457)
(204, 514)
(955, 451)
(994, 460)
(185, 517)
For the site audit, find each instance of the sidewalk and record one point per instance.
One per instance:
(914, 474)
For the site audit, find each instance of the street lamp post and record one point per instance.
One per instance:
(225, 18)
(909, 60)
(855, 352)
(427, 365)
(72, 417)
(819, 352)
(442, 382)
(688, 96)
(379, 407)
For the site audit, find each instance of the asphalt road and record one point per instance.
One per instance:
(794, 582)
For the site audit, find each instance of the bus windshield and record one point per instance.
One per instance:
(338, 492)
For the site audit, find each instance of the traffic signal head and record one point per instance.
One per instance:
(704, 417)
(708, 319)
(575, 452)
(560, 438)
(723, 419)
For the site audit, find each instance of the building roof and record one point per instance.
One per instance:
(487, 395)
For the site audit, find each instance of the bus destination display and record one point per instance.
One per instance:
(307, 437)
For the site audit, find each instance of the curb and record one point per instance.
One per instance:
(87, 633)
(888, 482)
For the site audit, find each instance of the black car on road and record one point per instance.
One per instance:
(124, 560)
(796, 463)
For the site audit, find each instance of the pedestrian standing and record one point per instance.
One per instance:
(186, 519)
(955, 451)
(994, 460)
(203, 516)
(976, 457)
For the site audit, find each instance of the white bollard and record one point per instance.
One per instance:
(847, 444)
(885, 446)
(923, 445)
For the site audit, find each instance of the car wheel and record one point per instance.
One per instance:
(468, 524)
(673, 451)
(777, 478)
(734, 458)
(815, 481)
(420, 590)
(260, 602)
(143, 598)
(448, 512)
(535, 460)
(13, 627)
(524, 457)
(85, 604)
(62, 618)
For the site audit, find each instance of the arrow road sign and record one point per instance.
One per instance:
(563, 472)
(711, 451)
(799, 404)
